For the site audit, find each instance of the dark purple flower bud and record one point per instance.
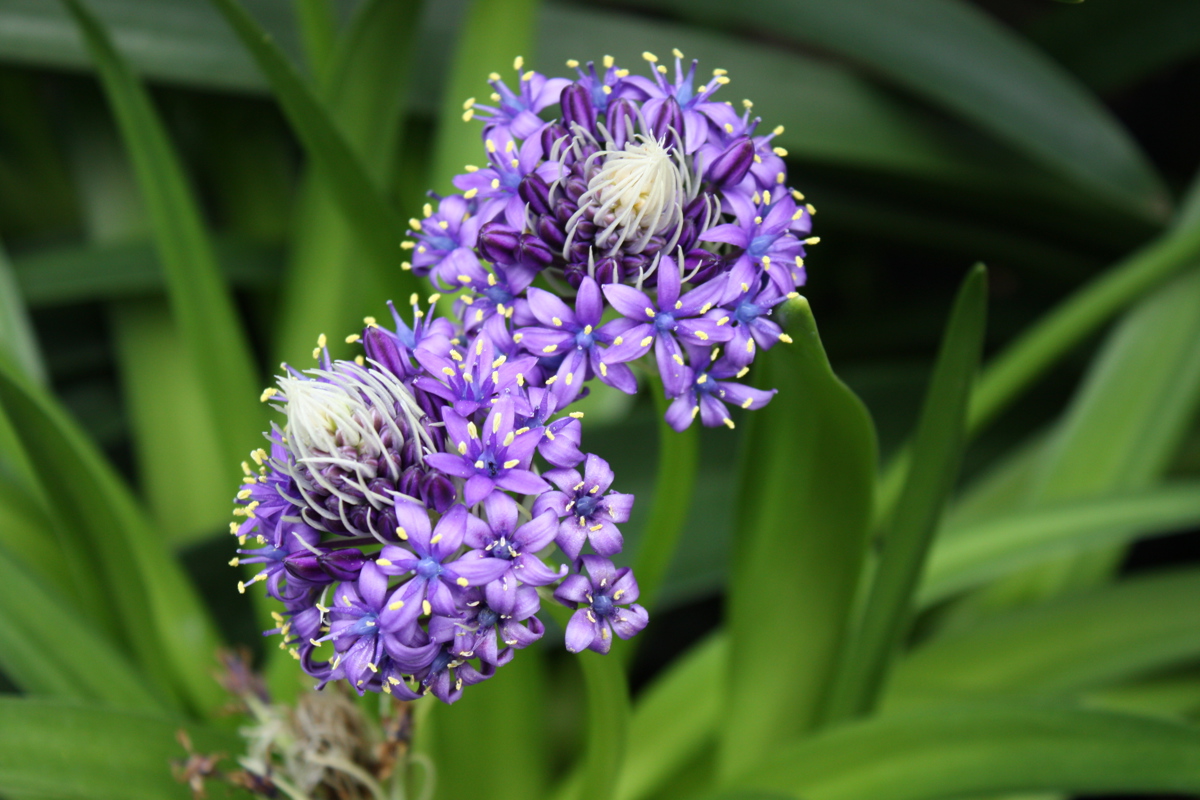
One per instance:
(575, 187)
(577, 108)
(667, 123)
(536, 192)
(343, 565)
(551, 232)
(306, 566)
(732, 165)
(498, 243)
(410, 481)
(383, 348)
(552, 134)
(704, 264)
(533, 252)
(608, 270)
(439, 492)
(621, 121)
(575, 273)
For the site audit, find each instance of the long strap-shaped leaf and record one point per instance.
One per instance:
(160, 615)
(801, 538)
(48, 648)
(200, 301)
(359, 199)
(978, 750)
(1085, 641)
(940, 440)
(67, 750)
(970, 65)
(999, 545)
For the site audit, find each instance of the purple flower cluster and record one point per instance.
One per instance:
(406, 511)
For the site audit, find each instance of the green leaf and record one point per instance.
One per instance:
(955, 56)
(968, 750)
(1120, 431)
(335, 278)
(57, 276)
(492, 34)
(66, 750)
(28, 534)
(161, 617)
(200, 302)
(1044, 343)
(47, 647)
(359, 200)
(1086, 641)
(802, 515)
(191, 500)
(318, 28)
(998, 545)
(511, 704)
(678, 455)
(937, 453)
(16, 331)
(674, 718)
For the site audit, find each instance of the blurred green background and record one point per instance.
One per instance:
(1053, 142)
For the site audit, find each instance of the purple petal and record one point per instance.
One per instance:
(451, 464)
(605, 538)
(372, 585)
(476, 570)
(589, 304)
(548, 307)
(413, 520)
(630, 302)
(478, 487)
(618, 506)
(629, 622)
(597, 473)
(521, 481)
(573, 589)
(581, 631)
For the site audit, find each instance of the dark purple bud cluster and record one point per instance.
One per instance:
(407, 509)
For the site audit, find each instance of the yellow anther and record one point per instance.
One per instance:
(721, 79)
(437, 538)
(428, 609)
(572, 63)
(576, 414)
(608, 62)
(702, 336)
(268, 393)
(352, 338)
(468, 115)
(407, 245)
(511, 463)
(396, 605)
(462, 448)
(508, 439)
(618, 340)
(518, 62)
(383, 562)
(550, 348)
(675, 52)
(463, 582)
(469, 194)
(233, 562)
(813, 240)
(779, 151)
(472, 431)
(650, 56)
(811, 208)
(747, 402)
(728, 423)
(403, 534)
(414, 223)
(783, 337)
(646, 342)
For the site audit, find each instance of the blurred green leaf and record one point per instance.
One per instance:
(161, 618)
(1175, 694)
(674, 718)
(16, 331)
(189, 501)
(66, 750)
(57, 276)
(1120, 431)
(1085, 641)
(977, 750)
(1006, 542)
(336, 277)
(200, 303)
(513, 704)
(358, 198)
(678, 455)
(957, 57)
(1113, 45)
(802, 515)
(491, 35)
(48, 648)
(937, 453)
(318, 28)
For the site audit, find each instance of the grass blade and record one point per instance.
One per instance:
(801, 535)
(318, 29)
(16, 331)
(940, 440)
(979, 750)
(200, 302)
(951, 54)
(334, 277)
(1087, 641)
(62, 749)
(494, 32)
(42, 638)
(358, 198)
(161, 617)
(996, 546)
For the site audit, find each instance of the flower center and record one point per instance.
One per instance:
(638, 192)
(428, 568)
(747, 312)
(586, 505)
(487, 618)
(602, 605)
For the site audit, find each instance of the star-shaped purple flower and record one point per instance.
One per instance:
(485, 632)
(665, 321)
(497, 459)
(588, 513)
(435, 576)
(599, 599)
(473, 381)
(501, 538)
(709, 392)
(495, 186)
(576, 336)
(445, 241)
(766, 230)
(517, 113)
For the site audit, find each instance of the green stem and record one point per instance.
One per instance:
(678, 457)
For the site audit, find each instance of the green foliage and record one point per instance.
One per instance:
(948, 626)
